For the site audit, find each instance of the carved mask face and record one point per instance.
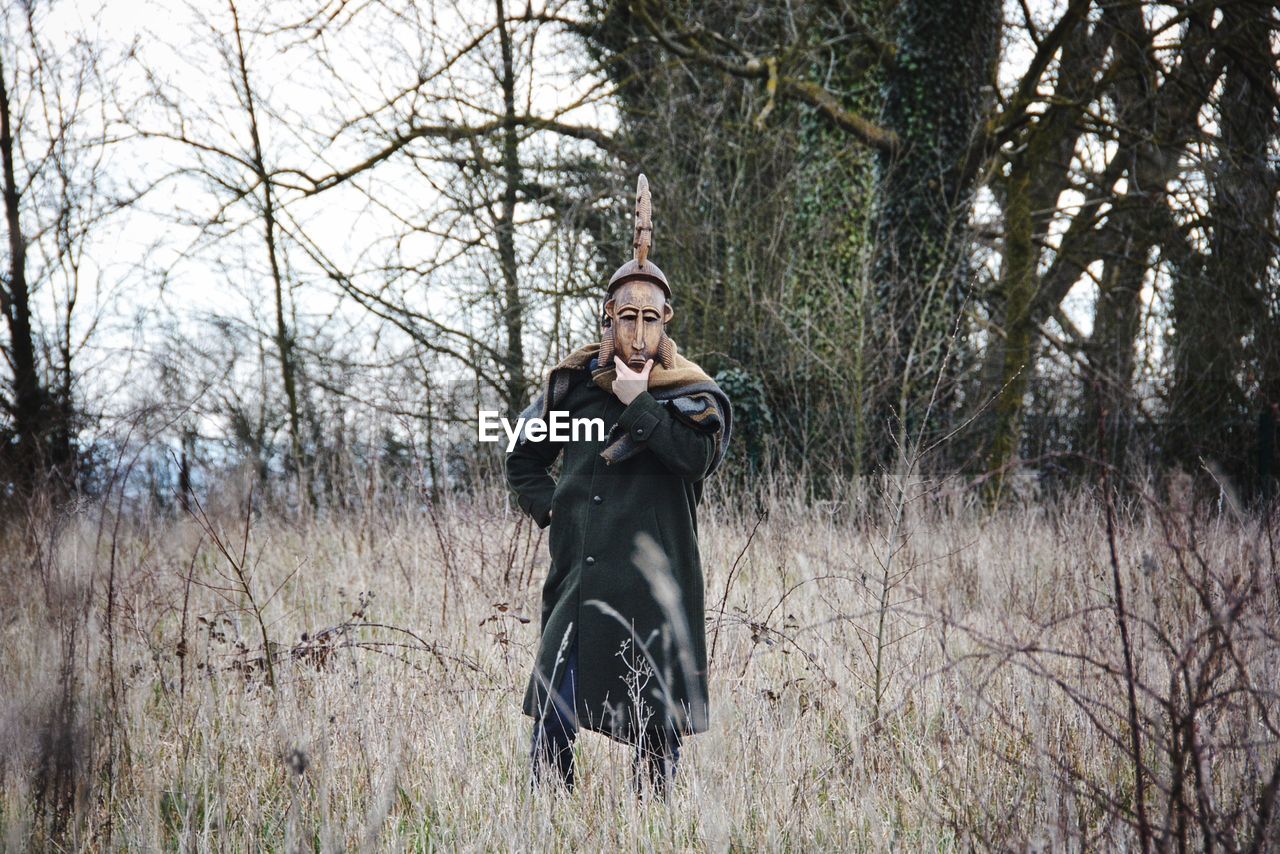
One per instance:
(639, 313)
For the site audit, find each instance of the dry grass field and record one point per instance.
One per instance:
(945, 678)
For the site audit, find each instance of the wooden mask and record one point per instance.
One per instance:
(635, 326)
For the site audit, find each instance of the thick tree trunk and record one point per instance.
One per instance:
(1037, 177)
(1153, 126)
(1226, 363)
(1112, 348)
(512, 304)
(1017, 287)
(1109, 401)
(935, 95)
(29, 407)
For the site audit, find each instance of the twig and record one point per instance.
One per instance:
(728, 582)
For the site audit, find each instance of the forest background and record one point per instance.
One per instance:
(234, 241)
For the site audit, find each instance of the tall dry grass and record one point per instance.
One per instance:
(138, 713)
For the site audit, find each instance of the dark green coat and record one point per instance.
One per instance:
(601, 509)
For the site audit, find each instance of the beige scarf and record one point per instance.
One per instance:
(684, 373)
(691, 394)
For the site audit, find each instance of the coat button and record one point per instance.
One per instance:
(597, 499)
(591, 561)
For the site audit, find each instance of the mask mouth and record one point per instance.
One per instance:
(637, 362)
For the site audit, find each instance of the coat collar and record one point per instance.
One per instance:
(690, 393)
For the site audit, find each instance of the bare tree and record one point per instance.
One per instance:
(236, 169)
(506, 187)
(52, 149)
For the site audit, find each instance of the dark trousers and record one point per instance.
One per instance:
(657, 748)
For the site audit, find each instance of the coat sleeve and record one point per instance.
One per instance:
(528, 468)
(685, 450)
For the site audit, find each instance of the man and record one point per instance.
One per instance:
(623, 647)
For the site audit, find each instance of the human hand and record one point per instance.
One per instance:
(628, 384)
